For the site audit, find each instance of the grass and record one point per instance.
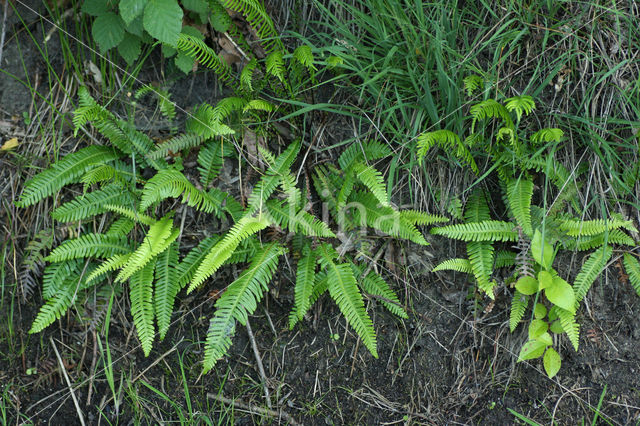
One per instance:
(402, 74)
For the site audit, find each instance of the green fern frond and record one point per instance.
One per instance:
(189, 264)
(92, 203)
(304, 56)
(305, 278)
(121, 226)
(64, 172)
(293, 193)
(449, 142)
(345, 190)
(416, 217)
(198, 49)
(172, 183)
(344, 291)
(175, 145)
(131, 214)
(275, 65)
(569, 325)
(504, 259)
(519, 305)
(579, 228)
(166, 287)
(472, 83)
(375, 285)
(246, 75)
(615, 236)
(590, 270)
(141, 296)
(519, 194)
(480, 255)
(547, 135)
(57, 305)
(373, 180)
(210, 161)
(476, 209)
(106, 173)
(255, 13)
(490, 108)
(286, 217)
(238, 301)
(458, 265)
(56, 274)
(520, 104)
(258, 105)
(160, 235)
(366, 151)
(632, 267)
(488, 230)
(90, 245)
(223, 250)
(204, 122)
(111, 264)
(142, 144)
(320, 286)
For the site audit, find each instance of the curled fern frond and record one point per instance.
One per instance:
(64, 172)
(632, 266)
(90, 245)
(458, 265)
(590, 270)
(92, 203)
(488, 230)
(238, 301)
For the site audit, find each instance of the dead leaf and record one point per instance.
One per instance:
(251, 141)
(10, 144)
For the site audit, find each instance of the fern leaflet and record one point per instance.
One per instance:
(591, 268)
(166, 287)
(488, 230)
(141, 295)
(632, 266)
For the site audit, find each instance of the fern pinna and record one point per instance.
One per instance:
(538, 238)
(139, 246)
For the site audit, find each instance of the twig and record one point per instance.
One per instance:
(254, 409)
(93, 367)
(66, 377)
(4, 28)
(260, 367)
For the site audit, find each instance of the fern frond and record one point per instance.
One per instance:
(142, 145)
(275, 65)
(416, 217)
(285, 216)
(449, 142)
(519, 305)
(223, 250)
(480, 255)
(131, 214)
(238, 301)
(56, 274)
(121, 226)
(210, 161)
(204, 122)
(344, 291)
(345, 190)
(141, 296)
(189, 264)
(504, 259)
(305, 277)
(632, 267)
(111, 264)
(304, 56)
(172, 183)
(246, 75)
(175, 145)
(520, 104)
(64, 172)
(198, 49)
(488, 230)
(116, 173)
(375, 285)
(458, 265)
(590, 270)
(92, 203)
(615, 236)
(57, 305)
(166, 287)
(289, 188)
(255, 13)
(519, 194)
(547, 135)
(373, 180)
(90, 245)
(490, 108)
(160, 235)
(258, 105)
(476, 209)
(472, 83)
(569, 325)
(578, 228)
(366, 151)
(320, 286)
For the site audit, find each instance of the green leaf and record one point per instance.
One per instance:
(131, 9)
(527, 285)
(540, 311)
(545, 280)
(95, 7)
(552, 362)
(531, 350)
(556, 327)
(537, 328)
(198, 6)
(184, 63)
(108, 31)
(130, 48)
(545, 338)
(561, 293)
(632, 267)
(541, 251)
(163, 20)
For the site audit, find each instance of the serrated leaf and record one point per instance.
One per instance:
(163, 20)
(552, 362)
(108, 31)
(95, 7)
(130, 48)
(527, 285)
(541, 250)
(561, 294)
(131, 9)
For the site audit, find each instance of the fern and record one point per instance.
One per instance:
(92, 203)
(344, 291)
(373, 180)
(305, 278)
(416, 217)
(547, 135)
(172, 183)
(519, 194)
(488, 230)
(275, 65)
(363, 152)
(175, 145)
(56, 274)
(520, 104)
(64, 172)
(480, 255)
(519, 305)
(578, 228)
(591, 268)
(57, 305)
(190, 263)
(141, 295)
(286, 217)
(615, 236)
(449, 142)
(116, 173)
(223, 250)
(568, 321)
(131, 214)
(89, 245)
(204, 121)
(504, 259)
(210, 160)
(458, 265)
(121, 226)
(166, 287)
(197, 49)
(246, 75)
(476, 208)
(490, 108)
(375, 285)
(255, 13)
(632, 266)
(111, 264)
(472, 83)
(238, 301)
